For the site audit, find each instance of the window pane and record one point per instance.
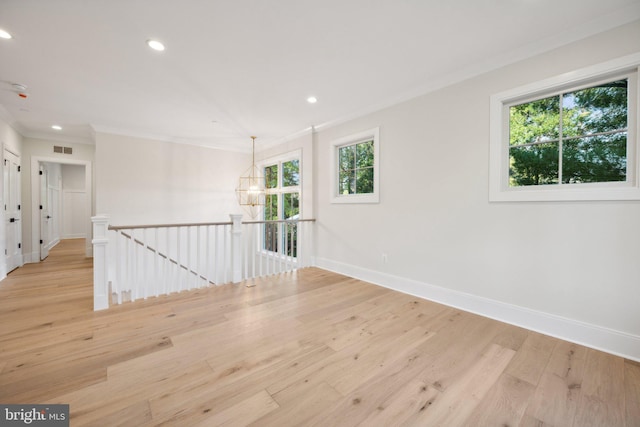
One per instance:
(364, 154)
(291, 205)
(595, 159)
(291, 211)
(597, 109)
(347, 182)
(533, 165)
(271, 176)
(364, 181)
(271, 207)
(347, 157)
(291, 173)
(271, 230)
(536, 121)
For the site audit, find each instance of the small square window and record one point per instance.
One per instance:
(355, 168)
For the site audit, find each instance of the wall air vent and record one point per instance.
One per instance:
(62, 150)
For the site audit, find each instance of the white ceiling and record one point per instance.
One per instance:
(245, 67)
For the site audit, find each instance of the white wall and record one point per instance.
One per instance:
(73, 177)
(74, 196)
(142, 181)
(567, 269)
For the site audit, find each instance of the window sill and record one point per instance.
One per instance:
(356, 198)
(584, 192)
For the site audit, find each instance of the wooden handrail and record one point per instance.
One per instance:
(186, 224)
(280, 221)
(202, 224)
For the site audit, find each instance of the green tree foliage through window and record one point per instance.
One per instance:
(282, 203)
(356, 168)
(571, 138)
(291, 173)
(271, 176)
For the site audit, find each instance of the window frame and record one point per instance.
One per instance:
(500, 103)
(374, 197)
(280, 191)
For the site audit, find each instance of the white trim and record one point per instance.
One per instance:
(281, 158)
(53, 243)
(280, 191)
(333, 167)
(600, 338)
(74, 236)
(278, 160)
(32, 257)
(499, 190)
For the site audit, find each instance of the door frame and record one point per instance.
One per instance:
(35, 201)
(5, 268)
(48, 226)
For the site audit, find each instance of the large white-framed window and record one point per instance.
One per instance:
(283, 189)
(354, 169)
(569, 137)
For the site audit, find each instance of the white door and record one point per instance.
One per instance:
(55, 214)
(44, 212)
(12, 210)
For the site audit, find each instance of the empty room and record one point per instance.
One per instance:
(337, 213)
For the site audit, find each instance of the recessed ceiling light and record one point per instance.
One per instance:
(312, 100)
(56, 127)
(5, 35)
(155, 45)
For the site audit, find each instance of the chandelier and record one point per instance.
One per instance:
(250, 191)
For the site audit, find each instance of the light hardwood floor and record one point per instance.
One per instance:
(311, 348)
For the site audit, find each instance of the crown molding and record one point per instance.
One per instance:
(66, 139)
(235, 144)
(608, 22)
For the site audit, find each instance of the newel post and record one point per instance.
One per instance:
(236, 248)
(100, 279)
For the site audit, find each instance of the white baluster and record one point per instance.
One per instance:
(100, 259)
(236, 248)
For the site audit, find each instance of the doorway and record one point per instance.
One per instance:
(64, 191)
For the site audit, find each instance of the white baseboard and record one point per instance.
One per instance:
(52, 244)
(31, 257)
(74, 236)
(593, 336)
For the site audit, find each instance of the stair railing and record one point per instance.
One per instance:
(134, 262)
